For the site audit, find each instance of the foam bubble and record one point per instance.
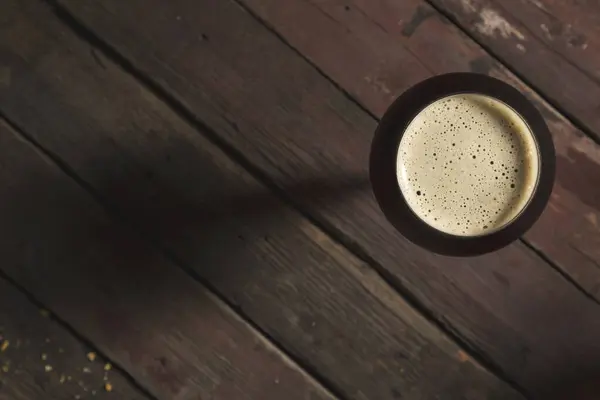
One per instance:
(467, 164)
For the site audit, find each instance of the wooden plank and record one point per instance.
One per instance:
(571, 28)
(140, 310)
(323, 305)
(41, 360)
(554, 45)
(281, 114)
(568, 231)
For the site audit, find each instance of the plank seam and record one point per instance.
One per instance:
(568, 117)
(561, 272)
(187, 115)
(115, 214)
(65, 325)
(549, 48)
(576, 122)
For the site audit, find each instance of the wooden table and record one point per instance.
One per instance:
(185, 209)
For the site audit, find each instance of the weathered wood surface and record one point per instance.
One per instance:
(568, 231)
(322, 304)
(553, 44)
(139, 309)
(570, 28)
(282, 115)
(40, 360)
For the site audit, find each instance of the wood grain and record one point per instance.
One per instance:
(140, 310)
(291, 123)
(327, 308)
(570, 28)
(554, 45)
(43, 361)
(568, 231)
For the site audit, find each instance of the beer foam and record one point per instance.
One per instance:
(468, 165)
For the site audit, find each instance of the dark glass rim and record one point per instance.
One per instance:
(384, 153)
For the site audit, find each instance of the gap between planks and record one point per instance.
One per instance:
(311, 374)
(557, 107)
(54, 317)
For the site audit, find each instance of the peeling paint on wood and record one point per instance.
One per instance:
(492, 24)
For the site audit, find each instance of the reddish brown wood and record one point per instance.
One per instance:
(283, 116)
(42, 361)
(326, 307)
(571, 29)
(547, 42)
(567, 233)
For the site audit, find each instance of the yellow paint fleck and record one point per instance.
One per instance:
(107, 367)
(108, 387)
(5, 368)
(48, 368)
(44, 356)
(45, 313)
(91, 356)
(69, 378)
(62, 379)
(4, 345)
(462, 356)
(86, 370)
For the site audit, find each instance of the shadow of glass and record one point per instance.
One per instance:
(118, 289)
(59, 237)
